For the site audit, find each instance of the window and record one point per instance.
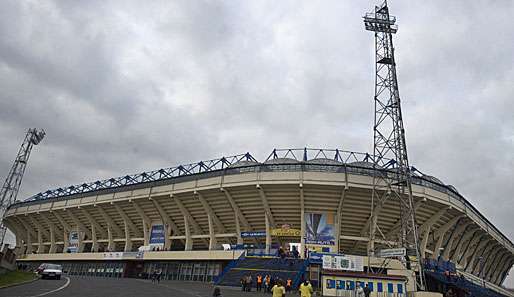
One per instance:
(350, 285)
(340, 284)
(370, 285)
(400, 288)
(390, 288)
(379, 288)
(331, 283)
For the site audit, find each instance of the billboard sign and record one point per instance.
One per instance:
(73, 242)
(157, 235)
(343, 262)
(319, 228)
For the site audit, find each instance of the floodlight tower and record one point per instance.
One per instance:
(12, 183)
(392, 176)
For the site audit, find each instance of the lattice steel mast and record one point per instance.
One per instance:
(389, 149)
(12, 183)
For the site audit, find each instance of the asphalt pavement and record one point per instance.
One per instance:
(119, 287)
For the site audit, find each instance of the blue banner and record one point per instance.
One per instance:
(319, 228)
(157, 235)
(253, 234)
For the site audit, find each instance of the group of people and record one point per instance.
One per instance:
(272, 284)
(363, 291)
(279, 290)
(156, 276)
(282, 253)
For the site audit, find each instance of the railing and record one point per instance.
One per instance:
(298, 159)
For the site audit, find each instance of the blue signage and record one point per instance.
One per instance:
(157, 235)
(253, 234)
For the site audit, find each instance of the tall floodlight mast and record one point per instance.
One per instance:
(392, 177)
(12, 183)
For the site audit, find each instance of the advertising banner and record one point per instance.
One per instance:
(319, 228)
(392, 253)
(157, 235)
(73, 242)
(253, 234)
(343, 262)
(285, 232)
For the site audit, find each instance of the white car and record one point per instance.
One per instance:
(50, 271)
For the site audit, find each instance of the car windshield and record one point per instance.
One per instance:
(53, 266)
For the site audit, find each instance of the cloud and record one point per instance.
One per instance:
(122, 87)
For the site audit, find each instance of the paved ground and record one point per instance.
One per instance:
(125, 287)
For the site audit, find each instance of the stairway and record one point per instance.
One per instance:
(275, 267)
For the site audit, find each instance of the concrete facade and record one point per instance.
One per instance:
(201, 212)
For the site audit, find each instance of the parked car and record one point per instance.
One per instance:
(47, 270)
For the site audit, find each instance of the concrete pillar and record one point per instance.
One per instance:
(462, 242)
(81, 233)
(268, 233)
(189, 240)
(500, 269)
(28, 242)
(238, 229)
(146, 233)
(495, 264)
(94, 245)
(53, 246)
(474, 254)
(302, 223)
(448, 248)
(167, 240)
(128, 242)
(486, 254)
(212, 236)
(40, 247)
(66, 241)
(469, 249)
(110, 240)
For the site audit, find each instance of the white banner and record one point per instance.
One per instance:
(343, 262)
(390, 253)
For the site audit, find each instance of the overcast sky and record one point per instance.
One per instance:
(123, 87)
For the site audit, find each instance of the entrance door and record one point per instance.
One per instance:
(133, 269)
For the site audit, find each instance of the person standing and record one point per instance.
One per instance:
(367, 291)
(359, 291)
(259, 282)
(278, 290)
(216, 292)
(267, 283)
(249, 282)
(306, 289)
(289, 283)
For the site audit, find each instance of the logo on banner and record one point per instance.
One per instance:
(319, 228)
(157, 235)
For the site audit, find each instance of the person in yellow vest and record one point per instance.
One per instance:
(259, 282)
(306, 289)
(289, 283)
(278, 290)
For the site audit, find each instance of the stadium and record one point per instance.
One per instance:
(322, 215)
(186, 214)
